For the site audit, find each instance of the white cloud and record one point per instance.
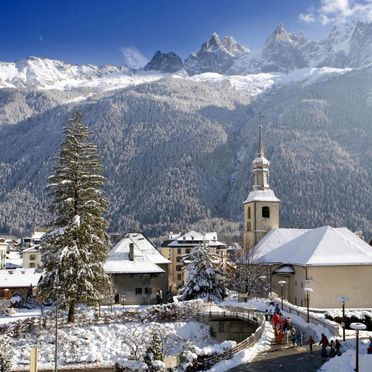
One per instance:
(133, 58)
(307, 18)
(334, 11)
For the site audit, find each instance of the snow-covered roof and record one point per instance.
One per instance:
(323, 246)
(32, 249)
(19, 278)
(191, 239)
(145, 256)
(261, 195)
(37, 235)
(285, 269)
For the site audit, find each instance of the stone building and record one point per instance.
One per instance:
(179, 245)
(333, 262)
(137, 270)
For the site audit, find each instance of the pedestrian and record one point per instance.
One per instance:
(324, 342)
(311, 342)
(275, 319)
(266, 314)
(117, 297)
(369, 350)
(338, 347)
(332, 353)
(299, 337)
(277, 309)
(160, 296)
(270, 314)
(293, 336)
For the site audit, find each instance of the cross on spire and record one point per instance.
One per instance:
(261, 152)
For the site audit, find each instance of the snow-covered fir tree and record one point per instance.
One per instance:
(204, 277)
(76, 247)
(5, 354)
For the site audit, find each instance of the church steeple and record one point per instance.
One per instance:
(261, 208)
(260, 167)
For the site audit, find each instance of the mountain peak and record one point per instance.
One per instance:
(165, 62)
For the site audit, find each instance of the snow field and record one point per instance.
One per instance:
(102, 345)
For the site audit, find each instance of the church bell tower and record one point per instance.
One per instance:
(261, 208)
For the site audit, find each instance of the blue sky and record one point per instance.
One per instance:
(97, 31)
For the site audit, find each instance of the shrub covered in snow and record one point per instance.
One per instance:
(5, 354)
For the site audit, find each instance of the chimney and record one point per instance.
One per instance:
(131, 251)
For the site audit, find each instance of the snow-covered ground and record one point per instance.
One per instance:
(101, 345)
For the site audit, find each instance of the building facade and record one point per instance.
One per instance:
(178, 246)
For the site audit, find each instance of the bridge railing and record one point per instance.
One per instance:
(333, 327)
(231, 312)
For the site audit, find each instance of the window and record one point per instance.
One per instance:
(188, 250)
(179, 276)
(148, 290)
(266, 212)
(302, 284)
(179, 267)
(295, 300)
(178, 259)
(32, 265)
(249, 227)
(179, 250)
(138, 291)
(302, 303)
(249, 212)
(32, 257)
(296, 283)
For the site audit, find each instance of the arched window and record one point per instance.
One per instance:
(248, 226)
(249, 212)
(32, 257)
(266, 212)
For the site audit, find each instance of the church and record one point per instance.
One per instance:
(333, 262)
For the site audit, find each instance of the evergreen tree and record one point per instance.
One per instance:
(204, 277)
(5, 354)
(76, 247)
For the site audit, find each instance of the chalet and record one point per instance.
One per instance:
(137, 270)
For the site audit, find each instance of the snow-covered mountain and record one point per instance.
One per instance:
(215, 55)
(34, 72)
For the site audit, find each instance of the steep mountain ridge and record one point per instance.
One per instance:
(177, 151)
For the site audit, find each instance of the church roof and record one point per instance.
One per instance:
(323, 246)
(261, 195)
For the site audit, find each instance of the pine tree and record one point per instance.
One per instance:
(5, 354)
(76, 247)
(204, 277)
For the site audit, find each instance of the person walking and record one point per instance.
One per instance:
(324, 342)
(369, 350)
(338, 347)
(277, 309)
(311, 342)
(293, 336)
(332, 353)
(299, 337)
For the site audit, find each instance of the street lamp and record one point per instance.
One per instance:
(282, 283)
(308, 291)
(357, 327)
(57, 288)
(343, 299)
(262, 278)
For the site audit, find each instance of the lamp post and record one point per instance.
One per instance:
(282, 283)
(56, 331)
(343, 299)
(262, 278)
(308, 291)
(357, 327)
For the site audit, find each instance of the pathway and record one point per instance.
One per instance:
(297, 359)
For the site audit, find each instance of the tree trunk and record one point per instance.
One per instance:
(71, 312)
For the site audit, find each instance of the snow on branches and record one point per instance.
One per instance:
(204, 277)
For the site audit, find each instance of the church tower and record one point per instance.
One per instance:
(261, 208)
